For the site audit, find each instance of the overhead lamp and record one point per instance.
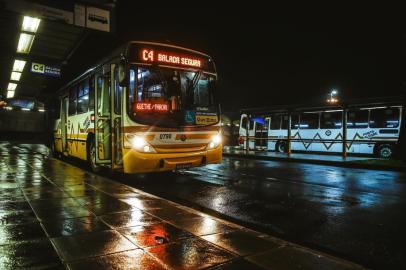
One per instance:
(30, 24)
(25, 43)
(12, 86)
(15, 76)
(19, 65)
(10, 94)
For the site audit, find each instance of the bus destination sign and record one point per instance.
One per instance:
(153, 56)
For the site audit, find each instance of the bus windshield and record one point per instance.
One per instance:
(171, 97)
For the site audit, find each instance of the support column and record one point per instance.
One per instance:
(344, 132)
(289, 133)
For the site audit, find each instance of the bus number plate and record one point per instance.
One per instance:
(183, 166)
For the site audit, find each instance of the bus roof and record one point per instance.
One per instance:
(355, 103)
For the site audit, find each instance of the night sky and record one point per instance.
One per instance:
(266, 56)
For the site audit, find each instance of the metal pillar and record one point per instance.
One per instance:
(247, 143)
(289, 133)
(344, 132)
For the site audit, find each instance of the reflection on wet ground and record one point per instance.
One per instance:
(55, 215)
(353, 213)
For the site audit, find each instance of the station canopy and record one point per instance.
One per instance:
(41, 42)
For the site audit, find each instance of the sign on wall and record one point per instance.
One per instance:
(98, 19)
(45, 70)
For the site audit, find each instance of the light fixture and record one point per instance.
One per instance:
(19, 65)
(12, 86)
(25, 43)
(15, 76)
(30, 24)
(10, 94)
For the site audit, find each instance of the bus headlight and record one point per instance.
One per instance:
(215, 142)
(141, 145)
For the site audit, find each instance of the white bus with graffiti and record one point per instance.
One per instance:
(370, 130)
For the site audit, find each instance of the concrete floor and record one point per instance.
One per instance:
(55, 215)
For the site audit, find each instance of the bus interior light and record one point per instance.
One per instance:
(19, 65)
(15, 76)
(25, 43)
(30, 24)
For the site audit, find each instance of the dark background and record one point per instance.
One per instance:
(269, 55)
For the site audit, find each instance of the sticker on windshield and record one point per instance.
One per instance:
(202, 119)
(190, 117)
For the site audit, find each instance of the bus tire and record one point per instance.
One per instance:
(385, 150)
(91, 156)
(281, 147)
(54, 153)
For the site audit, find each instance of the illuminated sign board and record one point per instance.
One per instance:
(162, 57)
(45, 70)
(151, 107)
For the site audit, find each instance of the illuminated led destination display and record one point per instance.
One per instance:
(150, 55)
(151, 107)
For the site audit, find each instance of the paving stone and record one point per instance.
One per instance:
(73, 226)
(107, 208)
(20, 232)
(191, 253)
(61, 213)
(237, 264)
(291, 258)
(128, 219)
(154, 234)
(240, 242)
(92, 244)
(133, 259)
(13, 217)
(38, 254)
(202, 225)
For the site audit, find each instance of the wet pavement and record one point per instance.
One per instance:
(54, 215)
(355, 214)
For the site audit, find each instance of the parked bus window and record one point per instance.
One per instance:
(244, 123)
(331, 120)
(294, 121)
(72, 101)
(91, 93)
(309, 121)
(276, 122)
(384, 118)
(251, 125)
(83, 97)
(357, 119)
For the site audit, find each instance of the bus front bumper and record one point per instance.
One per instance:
(137, 162)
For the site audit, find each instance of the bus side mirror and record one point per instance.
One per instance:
(122, 72)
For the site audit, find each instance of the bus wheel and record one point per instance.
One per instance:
(54, 153)
(281, 147)
(91, 158)
(385, 151)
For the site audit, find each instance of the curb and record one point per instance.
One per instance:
(343, 164)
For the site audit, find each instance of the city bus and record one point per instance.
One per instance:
(370, 130)
(147, 107)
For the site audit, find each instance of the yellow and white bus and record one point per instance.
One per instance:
(147, 107)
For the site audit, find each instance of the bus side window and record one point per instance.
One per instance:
(309, 120)
(384, 118)
(251, 125)
(91, 93)
(244, 122)
(331, 120)
(72, 100)
(83, 97)
(357, 119)
(276, 122)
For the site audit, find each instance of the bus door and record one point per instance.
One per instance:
(64, 115)
(103, 117)
(116, 117)
(108, 118)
